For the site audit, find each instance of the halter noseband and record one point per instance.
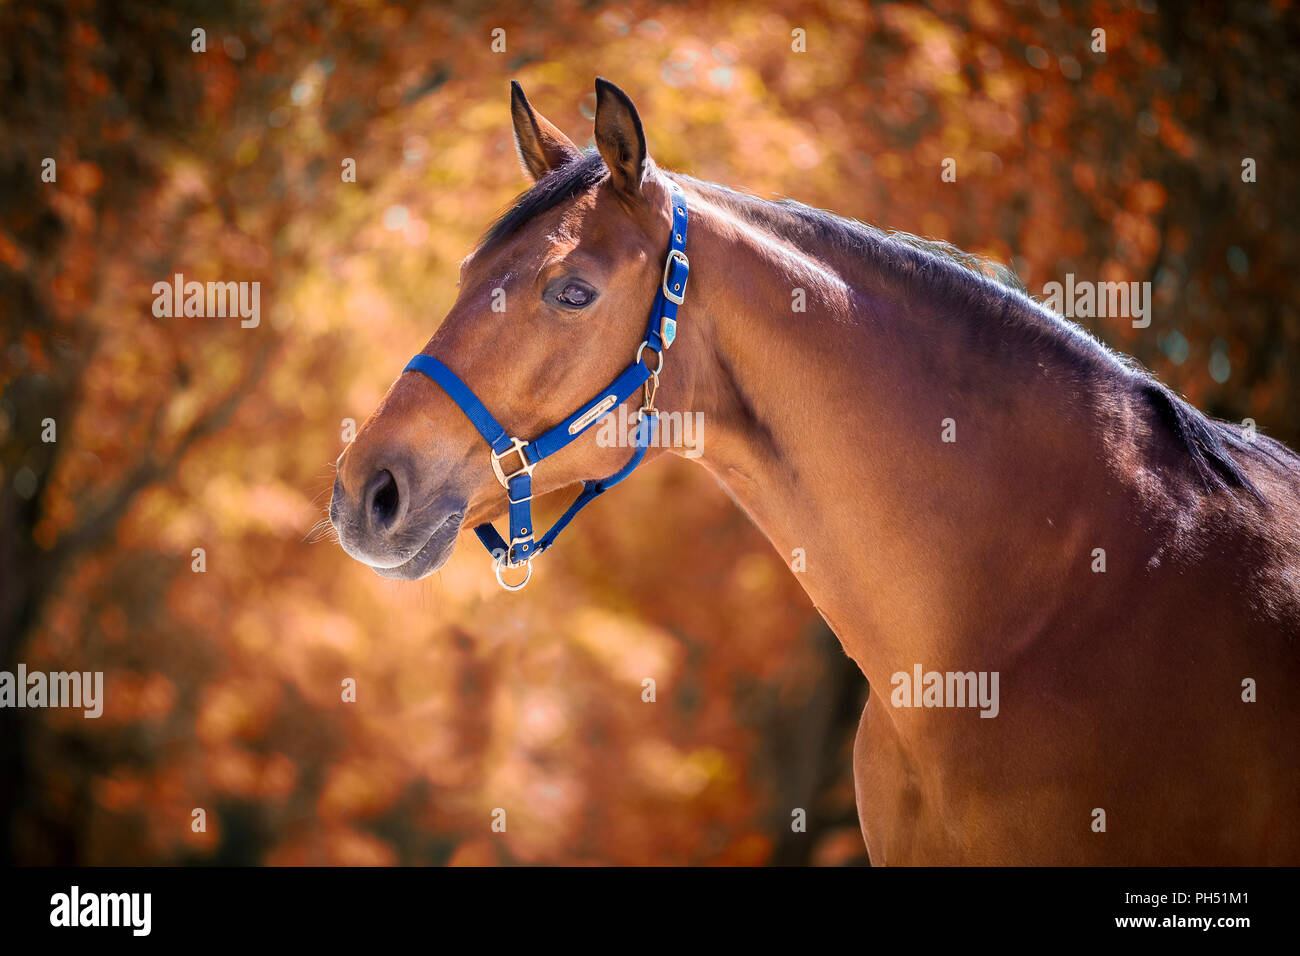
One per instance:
(660, 333)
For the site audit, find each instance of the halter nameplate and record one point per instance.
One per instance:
(660, 333)
(593, 413)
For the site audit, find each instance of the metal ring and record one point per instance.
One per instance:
(644, 346)
(497, 564)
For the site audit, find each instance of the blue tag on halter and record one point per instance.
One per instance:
(668, 331)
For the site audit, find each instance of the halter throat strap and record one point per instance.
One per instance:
(514, 459)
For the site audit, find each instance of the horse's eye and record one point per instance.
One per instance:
(575, 294)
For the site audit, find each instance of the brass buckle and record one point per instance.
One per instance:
(518, 445)
(668, 293)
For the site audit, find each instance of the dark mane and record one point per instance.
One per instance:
(960, 277)
(556, 187)
(796, 221)
(1210, 441)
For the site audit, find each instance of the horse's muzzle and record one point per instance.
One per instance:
(383, 528)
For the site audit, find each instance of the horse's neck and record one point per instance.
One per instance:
(828, 427)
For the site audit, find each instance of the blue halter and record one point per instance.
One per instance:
(660, 333)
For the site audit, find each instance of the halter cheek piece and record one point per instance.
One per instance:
(518, 483)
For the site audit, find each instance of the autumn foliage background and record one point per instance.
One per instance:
(223, 687)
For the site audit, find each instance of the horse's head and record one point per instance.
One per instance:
(551, 306)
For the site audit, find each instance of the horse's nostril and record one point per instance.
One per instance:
(384, 499)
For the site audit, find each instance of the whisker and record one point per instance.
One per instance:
(321, 530)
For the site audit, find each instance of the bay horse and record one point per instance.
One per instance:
(975, 485)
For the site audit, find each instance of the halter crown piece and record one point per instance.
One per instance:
(518, 483)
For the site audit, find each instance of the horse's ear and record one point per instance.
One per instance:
(619, 137)
(541, 146)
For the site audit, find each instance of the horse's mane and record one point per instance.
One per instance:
(558, 186)
(962, 278)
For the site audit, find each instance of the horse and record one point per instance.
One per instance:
(974, 485)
